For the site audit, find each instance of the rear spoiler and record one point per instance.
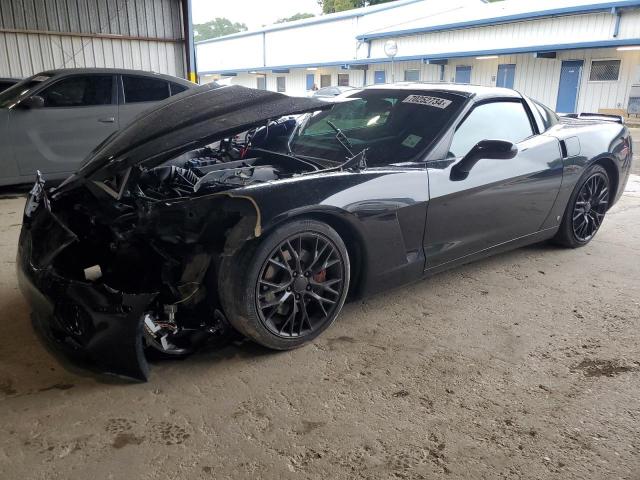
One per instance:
(596, 116)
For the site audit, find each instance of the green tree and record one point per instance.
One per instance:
(217, 27)
(332, 6)
(297, 16)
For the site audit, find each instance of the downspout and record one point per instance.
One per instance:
(618, 13)
(264, 49)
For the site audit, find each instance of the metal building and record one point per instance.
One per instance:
(37, 35)
(573, 55)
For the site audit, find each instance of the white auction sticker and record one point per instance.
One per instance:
(428, 101)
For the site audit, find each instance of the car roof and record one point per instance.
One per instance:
(121, 71)
(478, 92)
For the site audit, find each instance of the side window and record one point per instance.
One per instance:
(79, 91)
(176, 88)
(491, 121)
(281, 84)
(325, 81)
(144, 89)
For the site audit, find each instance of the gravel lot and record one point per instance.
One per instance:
(524, 365)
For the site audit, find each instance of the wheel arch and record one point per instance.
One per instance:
(612, 171)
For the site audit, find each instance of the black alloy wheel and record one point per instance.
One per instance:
(283, 290)
(590, 207)
(586, 208)
(300, 285)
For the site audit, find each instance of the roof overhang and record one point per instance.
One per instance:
(569, 10)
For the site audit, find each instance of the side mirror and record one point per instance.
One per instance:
(35, 101)
(490, 149)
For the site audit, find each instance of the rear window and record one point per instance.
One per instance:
(144, 89)
(549, 117)
(177, 88)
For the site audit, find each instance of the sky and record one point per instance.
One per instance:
(254, 13)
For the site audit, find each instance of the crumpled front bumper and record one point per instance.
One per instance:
(87, 320)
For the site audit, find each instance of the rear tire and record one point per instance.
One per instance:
(286, 289)
(586, 209)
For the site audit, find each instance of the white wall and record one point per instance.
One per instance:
(539, 78)
(296, 80)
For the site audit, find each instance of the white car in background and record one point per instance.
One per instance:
(53, 120)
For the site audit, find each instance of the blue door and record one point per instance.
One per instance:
(379, 76)
(570, 74)
(463, 74)
(311, 80)
(506, 75)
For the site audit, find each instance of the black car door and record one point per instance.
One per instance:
(499, 200)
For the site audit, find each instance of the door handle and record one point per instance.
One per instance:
(107, 120)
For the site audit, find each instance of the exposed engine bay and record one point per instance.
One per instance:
(233, 162)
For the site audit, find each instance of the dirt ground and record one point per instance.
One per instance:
(524, 365)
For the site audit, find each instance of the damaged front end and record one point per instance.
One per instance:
(106, 288)
(123, 256)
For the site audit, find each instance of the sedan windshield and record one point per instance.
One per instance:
(394, 125)
(11, 95)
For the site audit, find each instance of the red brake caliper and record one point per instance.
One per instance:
(321, 276)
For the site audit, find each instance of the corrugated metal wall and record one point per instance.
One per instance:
(554, 30)
(37, 35)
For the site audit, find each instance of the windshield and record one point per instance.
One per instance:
(20, 89)
(394, 125)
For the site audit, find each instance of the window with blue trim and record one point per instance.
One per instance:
(604, 71)
(412, 75)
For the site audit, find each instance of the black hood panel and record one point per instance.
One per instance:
(190, 120)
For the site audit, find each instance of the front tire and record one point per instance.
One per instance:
(586, 209)
(287, 289)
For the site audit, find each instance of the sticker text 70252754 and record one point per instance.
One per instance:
(428, 101)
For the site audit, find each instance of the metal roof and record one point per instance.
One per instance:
(495, 13)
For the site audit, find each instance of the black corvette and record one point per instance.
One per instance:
(216, 212)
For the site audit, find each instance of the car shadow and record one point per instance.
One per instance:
(29, 342)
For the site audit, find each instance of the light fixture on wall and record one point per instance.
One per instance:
(391, 50)
(487, 57)
(629, 48)
(312, 69)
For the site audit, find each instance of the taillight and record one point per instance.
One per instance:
(625, 151)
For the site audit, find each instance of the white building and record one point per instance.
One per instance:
(573, 55)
